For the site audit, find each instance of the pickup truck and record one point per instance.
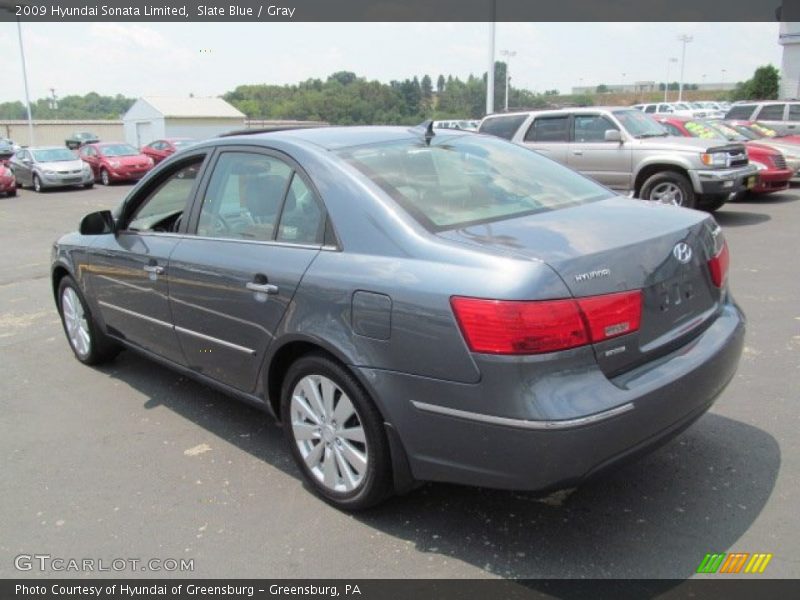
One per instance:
(629, 152)
(78, 139)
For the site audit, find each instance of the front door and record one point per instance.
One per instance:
(233, 280)
(609, 163)
(128, 271)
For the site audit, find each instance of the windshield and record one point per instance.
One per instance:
(764, 130)
(118, 150)
(702, 129)
(53, 155)
(463, 180)
(639, 125)
(729, 132)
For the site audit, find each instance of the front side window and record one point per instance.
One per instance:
(471, 179)
(163, 207)
(549, 129)
(244, 197)
(650, 109)
(771, 112)
(592, 128)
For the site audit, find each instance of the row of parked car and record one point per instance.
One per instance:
(83, 162)
(678, 159)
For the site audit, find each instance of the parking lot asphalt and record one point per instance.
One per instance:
(133, 461)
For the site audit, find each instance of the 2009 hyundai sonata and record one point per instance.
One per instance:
(412, 307)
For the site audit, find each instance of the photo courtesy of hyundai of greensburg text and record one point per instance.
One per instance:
(375, 300)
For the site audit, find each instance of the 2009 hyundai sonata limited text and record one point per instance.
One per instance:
(412, 307)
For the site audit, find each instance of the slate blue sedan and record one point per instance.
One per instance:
(412, 304)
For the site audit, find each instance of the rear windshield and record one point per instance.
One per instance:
(464, 180)
(504, 127)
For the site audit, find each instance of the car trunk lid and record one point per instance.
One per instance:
(617, 245)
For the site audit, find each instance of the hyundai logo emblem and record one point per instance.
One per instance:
(683, 252)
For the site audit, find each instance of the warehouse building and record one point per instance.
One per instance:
(789, 38)
(152, 118)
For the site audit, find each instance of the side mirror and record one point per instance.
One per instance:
(97, 223)
(613, 135)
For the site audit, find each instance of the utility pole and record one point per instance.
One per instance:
(510, 54)
(685, 39)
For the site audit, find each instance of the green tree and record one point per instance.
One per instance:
(440, 84)
(601, 89)
(764, 85)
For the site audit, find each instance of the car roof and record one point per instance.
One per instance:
(336, 138)
(559, 111)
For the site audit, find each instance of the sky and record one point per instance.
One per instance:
(208, 59)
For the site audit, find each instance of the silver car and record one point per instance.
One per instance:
(50, 167)
(783, 117)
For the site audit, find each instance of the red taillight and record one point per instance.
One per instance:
(535, 327)
(718, 266)
(612, 314)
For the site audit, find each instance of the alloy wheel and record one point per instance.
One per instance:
(76, 323)
(37, 183)
(105, 178)
(667, 193)
(329, 434)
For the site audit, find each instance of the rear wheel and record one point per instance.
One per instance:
(335, 433)
(669, 187)
(90, 345)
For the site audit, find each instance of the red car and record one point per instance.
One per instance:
(161, 149)
(773, 174)
(8, 183)
(115, 161)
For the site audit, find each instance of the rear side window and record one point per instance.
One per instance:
(504, 127)
(650, 109)
(741, 111)
(771, 112)
(794, 112)
(548, 129)
(469, 180)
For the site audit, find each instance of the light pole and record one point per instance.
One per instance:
(723, 77)
(666, 85)
(490, 72)
(685, 39)
(8, 7)
(510, 54)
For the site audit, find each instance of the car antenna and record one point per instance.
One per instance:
(425, 129)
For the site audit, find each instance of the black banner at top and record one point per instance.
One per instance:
(398, 10)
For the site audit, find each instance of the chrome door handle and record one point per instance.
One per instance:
(578, 152)
(264, 288)
(154, 269)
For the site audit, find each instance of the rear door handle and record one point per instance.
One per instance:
(264, 288)
(154, 269)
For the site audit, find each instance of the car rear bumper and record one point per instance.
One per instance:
(602, 420)
(722, 181)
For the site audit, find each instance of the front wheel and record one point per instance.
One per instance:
(12, 193)
(37, 184)
(105, 178)
(90, 345)
(669, 187)
(335, 433)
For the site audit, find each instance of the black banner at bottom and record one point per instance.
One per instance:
(730, 588)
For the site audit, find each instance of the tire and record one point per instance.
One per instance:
(105, 178)
(713, 202)
(88, 186)
(669, 187)
(37, 184)
(334, 450)
(90, 345)
(12, 193)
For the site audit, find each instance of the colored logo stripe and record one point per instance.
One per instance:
(734, 562)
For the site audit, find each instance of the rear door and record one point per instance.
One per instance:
(257, 226)
(549, 135)
(128, 270)
(609, 163)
